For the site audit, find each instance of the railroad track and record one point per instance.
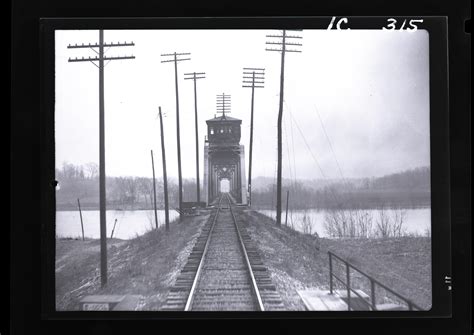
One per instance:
(224, 271)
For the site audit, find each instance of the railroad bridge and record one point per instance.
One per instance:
(224, 160)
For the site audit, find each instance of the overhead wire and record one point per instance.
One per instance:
(336, 198)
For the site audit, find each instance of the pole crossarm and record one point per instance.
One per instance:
(280, 50)
(255, 76)
(260, 77)
(105, 45)
(254, 69)
(176, 54)
(194, 75)
(286, 36)
(287, 43)
(95, 59)
(175, 57)
(175, 60)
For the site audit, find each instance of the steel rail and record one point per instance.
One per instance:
(190, 299)
(247, 261)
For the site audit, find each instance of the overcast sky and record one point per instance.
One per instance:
(369, 87)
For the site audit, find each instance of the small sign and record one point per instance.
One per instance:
(95, 307)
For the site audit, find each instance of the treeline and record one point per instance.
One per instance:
(415, 179)
(408, 189)
(127, 193)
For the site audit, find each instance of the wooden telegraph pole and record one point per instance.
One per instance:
(176, 60)
(195, 76)
(253, 78)
(165, 178)
(282, 42)
(154, 189)
(100, 58)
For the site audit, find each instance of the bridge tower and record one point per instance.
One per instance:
(224, 160)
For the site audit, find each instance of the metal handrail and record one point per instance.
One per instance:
(373, 282)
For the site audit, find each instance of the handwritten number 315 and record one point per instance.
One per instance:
(392, 24)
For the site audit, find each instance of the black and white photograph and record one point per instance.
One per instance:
(242, 170)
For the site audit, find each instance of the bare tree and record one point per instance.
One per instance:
(390, 224)
(145, 189)
(397, 220)
(348, 223)
(335, 223)
(364, 223)
(307, 223)
(383, 223)
(92, 170)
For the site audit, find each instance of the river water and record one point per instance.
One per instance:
(129, 223)
(137, 222)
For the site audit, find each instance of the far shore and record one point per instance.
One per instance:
(66, 208)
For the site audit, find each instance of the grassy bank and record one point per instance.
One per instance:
(146, 265)
(149, 264)
(297, 261)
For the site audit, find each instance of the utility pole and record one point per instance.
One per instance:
(100, 58)
(176, 60)
(223, 104)
(165, 178)
(154, 189)
(253, 78)
(283, 43)
(195, 76)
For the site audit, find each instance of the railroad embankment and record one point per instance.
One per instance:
(149, 264)
(146, 265)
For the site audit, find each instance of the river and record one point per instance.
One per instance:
(129, 223)
(137, 222)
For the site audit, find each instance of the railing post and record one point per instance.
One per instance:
(372, 294)
(330, 272)
(410, 307)
(348, 286)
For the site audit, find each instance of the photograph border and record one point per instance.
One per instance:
(439, 145)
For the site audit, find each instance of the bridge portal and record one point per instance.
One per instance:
(224, 159)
